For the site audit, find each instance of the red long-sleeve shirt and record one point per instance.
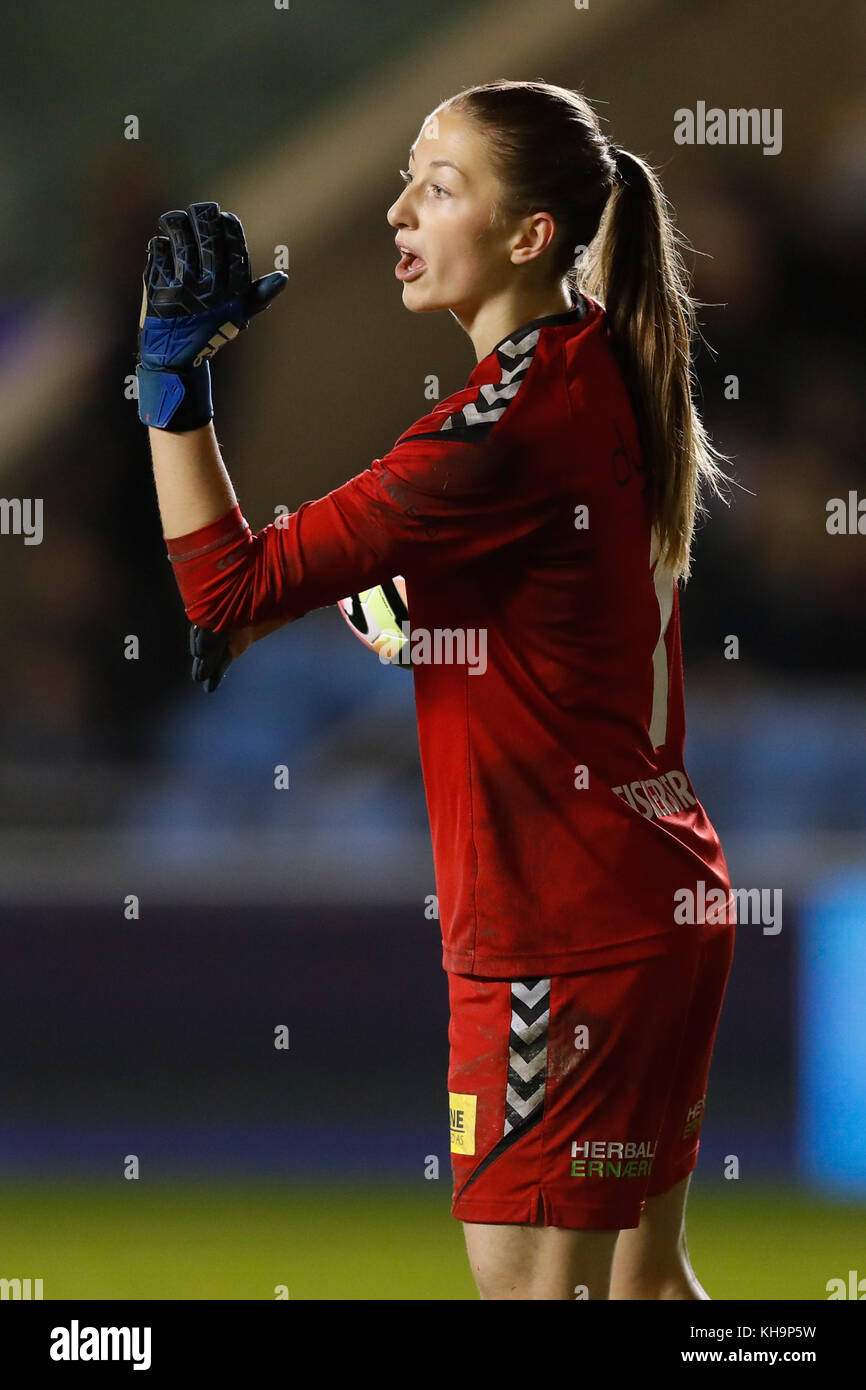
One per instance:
(562, 820)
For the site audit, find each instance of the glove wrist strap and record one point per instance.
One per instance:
(174, 399)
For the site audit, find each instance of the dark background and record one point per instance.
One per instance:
(118, 777)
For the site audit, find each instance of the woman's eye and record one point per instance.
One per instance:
(407, 179)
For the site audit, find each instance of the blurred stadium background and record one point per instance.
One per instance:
(307, 907)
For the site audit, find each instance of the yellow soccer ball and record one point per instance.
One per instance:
(379, 618)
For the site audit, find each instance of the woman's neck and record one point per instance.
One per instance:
(501, 315)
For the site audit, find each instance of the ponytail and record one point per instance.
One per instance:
(634, 267)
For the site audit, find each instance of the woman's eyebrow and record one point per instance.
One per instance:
(434, 163)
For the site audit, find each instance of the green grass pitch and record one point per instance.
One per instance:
(135, 1240)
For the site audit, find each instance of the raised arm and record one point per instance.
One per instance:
(198, 295)
(441, 498)
(192, 483)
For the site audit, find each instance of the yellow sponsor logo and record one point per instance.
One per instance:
(461, 1110)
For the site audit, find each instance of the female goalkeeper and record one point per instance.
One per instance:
(583, 894)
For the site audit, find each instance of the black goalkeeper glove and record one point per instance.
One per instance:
(211, 657)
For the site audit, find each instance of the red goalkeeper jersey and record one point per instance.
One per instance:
(565, 829)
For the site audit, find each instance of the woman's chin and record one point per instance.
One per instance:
(420, 296)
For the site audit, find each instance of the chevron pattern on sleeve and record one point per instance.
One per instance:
(527, 1050)
(473, 423)
(491, 400)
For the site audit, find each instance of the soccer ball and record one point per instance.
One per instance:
(376, 616)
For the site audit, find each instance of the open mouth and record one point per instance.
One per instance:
(409, 267)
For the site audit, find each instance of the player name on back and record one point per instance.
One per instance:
(665, 795)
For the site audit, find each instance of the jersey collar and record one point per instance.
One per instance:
(579, 309)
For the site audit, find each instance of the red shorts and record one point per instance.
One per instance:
(574, 1098)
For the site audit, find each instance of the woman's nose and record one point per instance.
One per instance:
(395, 213)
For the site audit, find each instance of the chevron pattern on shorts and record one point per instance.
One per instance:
(527, 1050)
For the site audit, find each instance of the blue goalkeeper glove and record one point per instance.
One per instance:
(198, 295)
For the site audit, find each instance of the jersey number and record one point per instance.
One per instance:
(663, 582)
